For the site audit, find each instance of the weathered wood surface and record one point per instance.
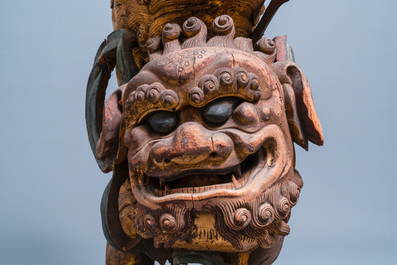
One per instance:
(201, 138)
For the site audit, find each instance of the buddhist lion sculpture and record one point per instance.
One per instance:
(200, 141)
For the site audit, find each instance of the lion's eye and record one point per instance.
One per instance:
(218, 111)
(163, 121)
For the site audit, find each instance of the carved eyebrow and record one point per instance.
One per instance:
(148, 98)
(225, 82)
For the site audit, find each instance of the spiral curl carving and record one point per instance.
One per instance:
(168, 223)
(225, 76)
(131, 99)
(150, 222)
(140, 92)
(265, 45)
(153, 91)
(265, 215)
(242, 78)
(169, 98)
(139, 224)
(192, 26)
(254, 82)
(209, 83)
(171, 31)
(153, 44)
(241, 217)
(294, 192)
(196, 31)
(223, 25)
(283, 207)
(196, 95)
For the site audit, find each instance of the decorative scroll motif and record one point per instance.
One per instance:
(201, 140)
(262, 218)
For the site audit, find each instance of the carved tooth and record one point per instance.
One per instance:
(235, 182)
(166, 188)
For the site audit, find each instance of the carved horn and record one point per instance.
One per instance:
(115, 50)
(301, 114)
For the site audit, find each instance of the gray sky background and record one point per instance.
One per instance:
(51, 186)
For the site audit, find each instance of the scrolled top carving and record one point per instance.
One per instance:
(170, 37)
(223, 25)
(223, 28)
(196, 31)
(265, 49)
(265, 45)
(171, 31)
(154, 44)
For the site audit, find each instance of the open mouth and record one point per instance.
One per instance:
(206, 180)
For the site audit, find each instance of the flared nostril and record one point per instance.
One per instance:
(166, 161)
(214, 155)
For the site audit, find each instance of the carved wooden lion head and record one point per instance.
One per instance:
(204, 132)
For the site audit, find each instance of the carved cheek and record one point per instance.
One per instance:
(136, 137)
(246, 114)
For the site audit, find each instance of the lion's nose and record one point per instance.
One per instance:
(192, 144)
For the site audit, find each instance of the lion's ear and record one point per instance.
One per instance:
(108, 143)
(302, 117)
